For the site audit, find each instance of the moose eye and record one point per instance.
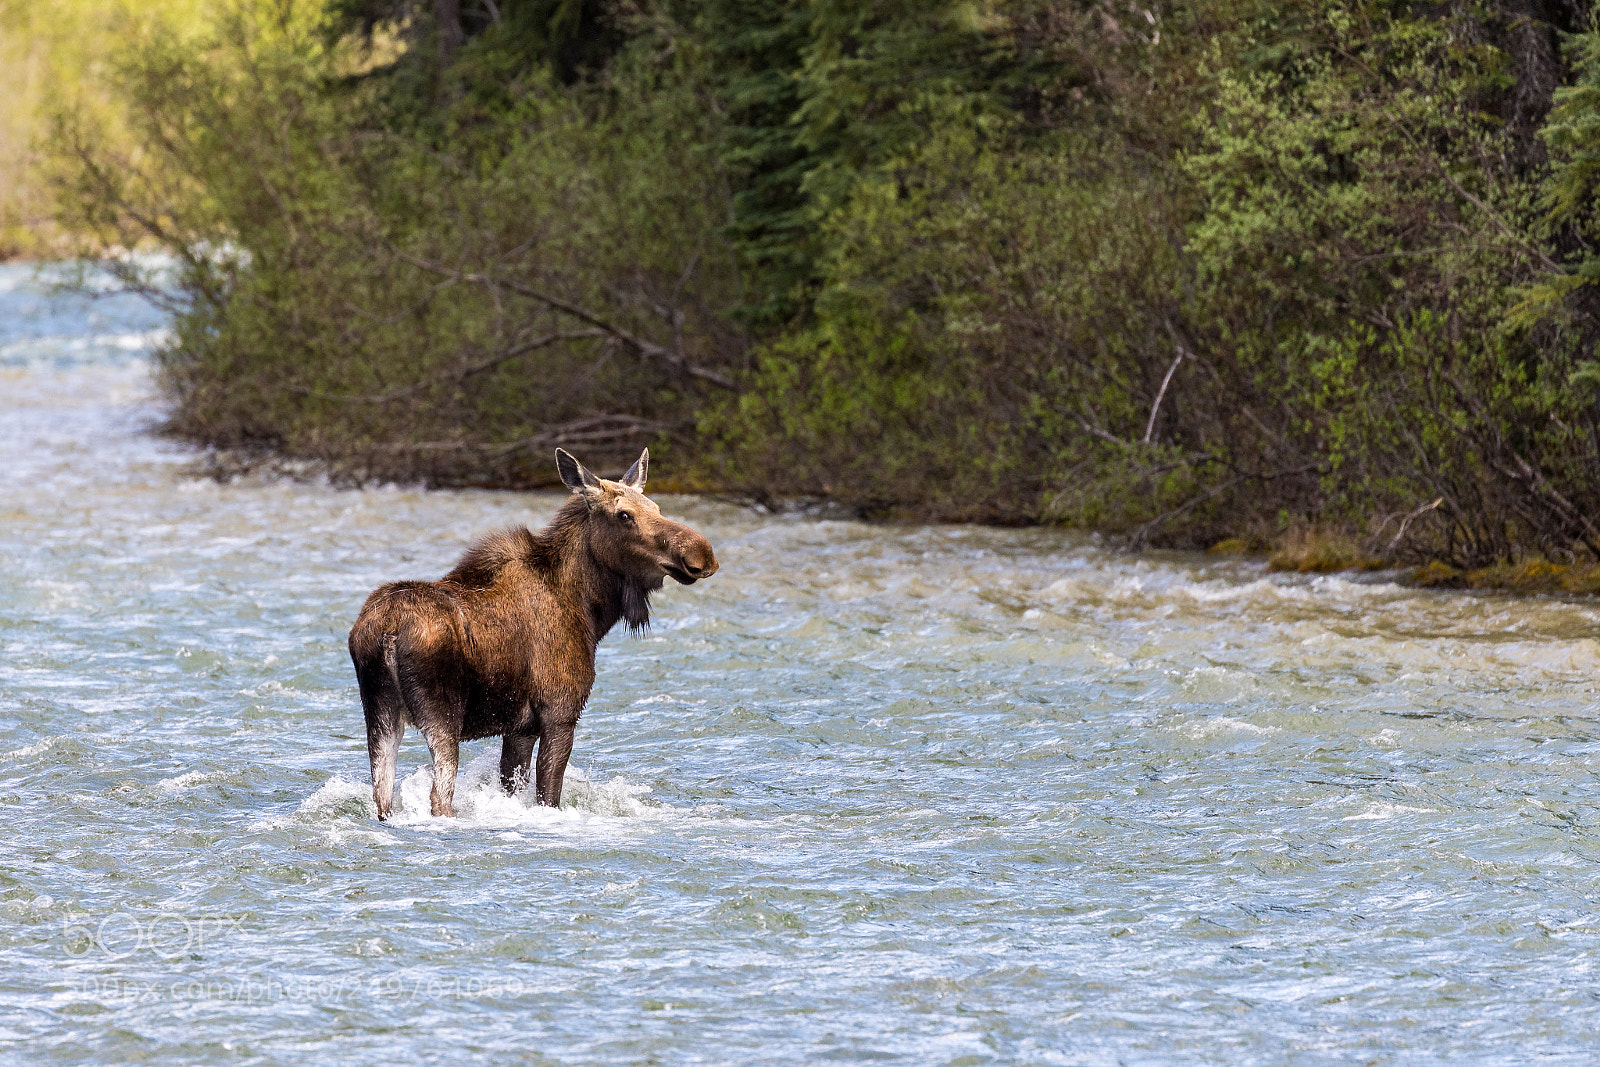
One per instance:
(625, 517)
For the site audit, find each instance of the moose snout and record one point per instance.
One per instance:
(696, 560)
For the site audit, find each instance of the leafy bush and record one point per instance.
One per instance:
(407, 309)
(1219, 269)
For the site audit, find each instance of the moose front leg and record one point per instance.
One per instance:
(516, 753)
(555, 746)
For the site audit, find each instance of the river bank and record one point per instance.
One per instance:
(1333, 553)
(1296, 550)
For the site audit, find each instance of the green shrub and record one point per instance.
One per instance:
(1224, 269)
(405, 309)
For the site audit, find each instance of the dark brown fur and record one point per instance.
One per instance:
(504, 644)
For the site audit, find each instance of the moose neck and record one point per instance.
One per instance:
(605, 596)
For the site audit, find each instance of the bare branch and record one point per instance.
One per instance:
(1155, 408)
(454, 375)
(1394, 542)
(595, 430)
(1103, 434)
(640, 345)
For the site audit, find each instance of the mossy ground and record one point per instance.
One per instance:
(1528, 576)
(1310, 551)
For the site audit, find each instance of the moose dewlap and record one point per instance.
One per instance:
(504, 644)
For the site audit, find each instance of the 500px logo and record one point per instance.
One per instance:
(167, 936)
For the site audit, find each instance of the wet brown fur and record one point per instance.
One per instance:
(504, 644)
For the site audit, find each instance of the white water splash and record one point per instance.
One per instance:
(1383, 809)
(1222, 725)
(605, 808)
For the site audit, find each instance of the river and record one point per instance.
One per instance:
(902, 794)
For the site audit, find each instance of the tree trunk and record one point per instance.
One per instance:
(447, 30)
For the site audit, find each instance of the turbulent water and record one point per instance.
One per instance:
(927, 795)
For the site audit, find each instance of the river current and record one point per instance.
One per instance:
(902, 794)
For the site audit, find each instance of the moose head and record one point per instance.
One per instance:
(627, 532)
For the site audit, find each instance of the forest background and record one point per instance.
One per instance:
(1312, 275)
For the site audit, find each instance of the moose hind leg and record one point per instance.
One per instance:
(446, 750)
(384, 751)
(516, 753)
(433, 696)
(386, 725)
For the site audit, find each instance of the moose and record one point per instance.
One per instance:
(504, 644)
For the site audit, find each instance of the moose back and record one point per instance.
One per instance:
(504, 644)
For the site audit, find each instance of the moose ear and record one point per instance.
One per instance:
(637, 473)
(575, 474)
